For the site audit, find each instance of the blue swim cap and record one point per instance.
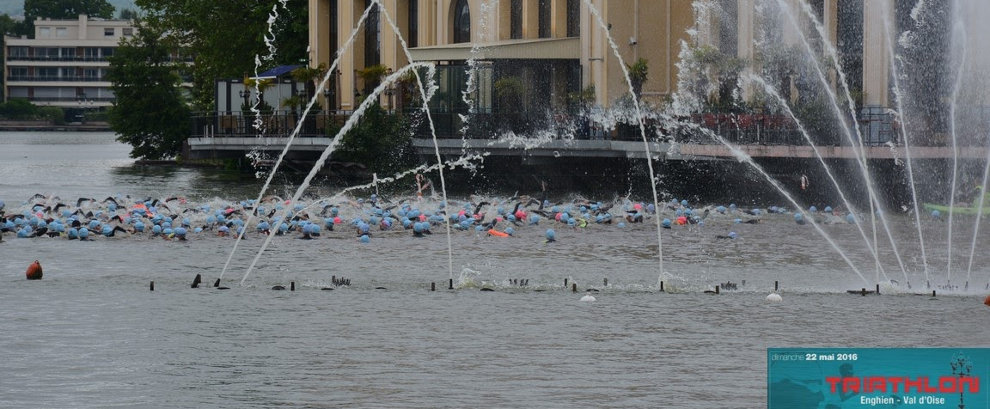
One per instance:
(94, 224)
(107, 230)
(510, 231)
(180, 231)
(139, 226)
(551, 235)
(828, 209)
(852, 219)
(720, 209)
(534, 219)
(156, 229)
(666, 222)
(365, 238)
(198, 230)
(73, 233)
(263, 226)
(622, 224)
(798, 216)
(684, 202)
(83, 233)
(167, 232)
(813, 209)
(737, 221)
(732, 235)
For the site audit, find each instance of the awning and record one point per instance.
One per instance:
(535, 49)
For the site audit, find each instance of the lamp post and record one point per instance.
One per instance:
(390, 90)
(245, 94)
(81, 97)
(962, 367)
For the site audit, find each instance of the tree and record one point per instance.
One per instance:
(380, 141)
(638, 74)
(127, 14)
(66, 9)
(224, 37)
(150, 112)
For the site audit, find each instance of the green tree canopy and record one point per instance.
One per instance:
(150, 112)
(224, 37)
(66, 9)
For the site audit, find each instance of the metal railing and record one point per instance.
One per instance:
(54, 78)
(274, 124)
(746, 129)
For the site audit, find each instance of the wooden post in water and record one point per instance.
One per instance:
(292, 286)
(565, 283)
(661, 286)
(152, 286)
(433, 286)
(878, 289)
(776, 285)
(863, 291)
(933, 293)
(573, 287)
(451, 286)
(605, 282)
(716, 289)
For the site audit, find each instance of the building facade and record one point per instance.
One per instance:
(555, 51)
(556, 48)
(65, 64)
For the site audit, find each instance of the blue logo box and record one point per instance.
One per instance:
(878, 378)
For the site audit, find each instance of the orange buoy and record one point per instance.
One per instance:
(497, 233)
(34, 271)
(986, 301)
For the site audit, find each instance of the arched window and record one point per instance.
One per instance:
(462, 22)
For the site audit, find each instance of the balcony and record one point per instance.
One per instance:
(48, 78)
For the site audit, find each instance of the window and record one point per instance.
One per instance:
(91, 53)
(544, 16)
(108, 32)
(372, 43)
(47, 73)
(333, 29)
(18, 73)
(44, 32)
(45, 53)
(128, 31)
(413, 39)
(462, 22)
(18, 52)
(91, 73)
(107, 51)
(515, 19)
(573, 18)
(61, 32)
(68, 54)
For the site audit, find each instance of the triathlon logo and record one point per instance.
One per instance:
(831, 378)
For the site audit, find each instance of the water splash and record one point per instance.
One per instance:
(906, 140)
(350, 123)
(427, 96)
(773, 92)
(832, 55)
(642, 128)
(958, 28)
(292, 136)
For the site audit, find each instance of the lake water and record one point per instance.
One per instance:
(92, 335)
